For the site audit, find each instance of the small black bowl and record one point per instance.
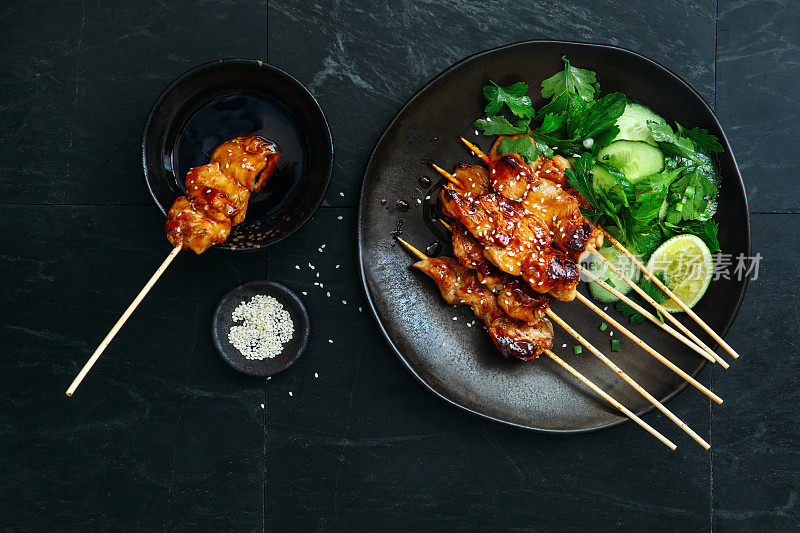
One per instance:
(220, 100)
(292, 350)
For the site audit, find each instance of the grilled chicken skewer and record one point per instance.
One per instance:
(511, 178)
(463, 287)
(216, 198)
(518, 301)
(217, 193)
(484, 216)
(460, 285)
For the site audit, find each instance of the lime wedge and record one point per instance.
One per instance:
(686, 262)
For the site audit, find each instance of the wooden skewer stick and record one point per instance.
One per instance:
(650, 316)
(136, 301)
(477, 151)
(414, 250)
(625, 331)
(644, 346)
(629, 380)
(672, 295)
(655, 304)
(578, 375)
(603, 394)
(452, 179)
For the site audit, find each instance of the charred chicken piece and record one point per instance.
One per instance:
(523, 340)
(514, 296)
(519, 301)
(515, 241)
(459, 285)
(222, 193)
(245, 158)
(540, 188)
(193, 223)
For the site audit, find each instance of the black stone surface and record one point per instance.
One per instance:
(163, 435)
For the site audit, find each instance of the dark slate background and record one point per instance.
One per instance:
(163, 435)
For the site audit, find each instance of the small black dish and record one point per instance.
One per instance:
(220, 100)
(292, 350)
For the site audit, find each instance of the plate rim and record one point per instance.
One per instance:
(359, 221)
(268, 67)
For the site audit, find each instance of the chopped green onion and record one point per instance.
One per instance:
(603, 326)
(689, 192)
(614, 345)
(578, 350)
(679, 207)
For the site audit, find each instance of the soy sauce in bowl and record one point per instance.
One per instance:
(221, 100)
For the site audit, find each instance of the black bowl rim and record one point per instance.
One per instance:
(267, 67)
(268, 286)
(423, 89)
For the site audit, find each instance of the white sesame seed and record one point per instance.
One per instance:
(290, 393)
(316, 375)
(330, 341)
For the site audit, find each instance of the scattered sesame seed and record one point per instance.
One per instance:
(330, 341)
(344, 302)
(316, 375)
(339, 217)
(341, 194)
(290, 393)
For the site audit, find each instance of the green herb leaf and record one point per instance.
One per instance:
(652, 290)
(522, 146)
(571, 80)
(702, 140)
(499, 125)
(634, 317)
(601, 116)
(706, 230)
(514, 96)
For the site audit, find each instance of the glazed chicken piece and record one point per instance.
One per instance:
(193, 223)
(523, 340)
(540, 189)
(473, 179)
(519, 301)
(244, 158)
(459, 285)
(514, 297)
(222, 193)
(515, 241)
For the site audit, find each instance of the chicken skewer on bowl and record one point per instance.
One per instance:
(217, 195)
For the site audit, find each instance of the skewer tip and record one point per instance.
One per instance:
(414, 250)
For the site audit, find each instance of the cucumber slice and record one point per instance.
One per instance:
(636, 159)
(600, 270)
(613, 182)
(632, 123)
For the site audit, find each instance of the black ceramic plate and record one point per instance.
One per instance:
(292, 350)
(431, 338)
(220, 100)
